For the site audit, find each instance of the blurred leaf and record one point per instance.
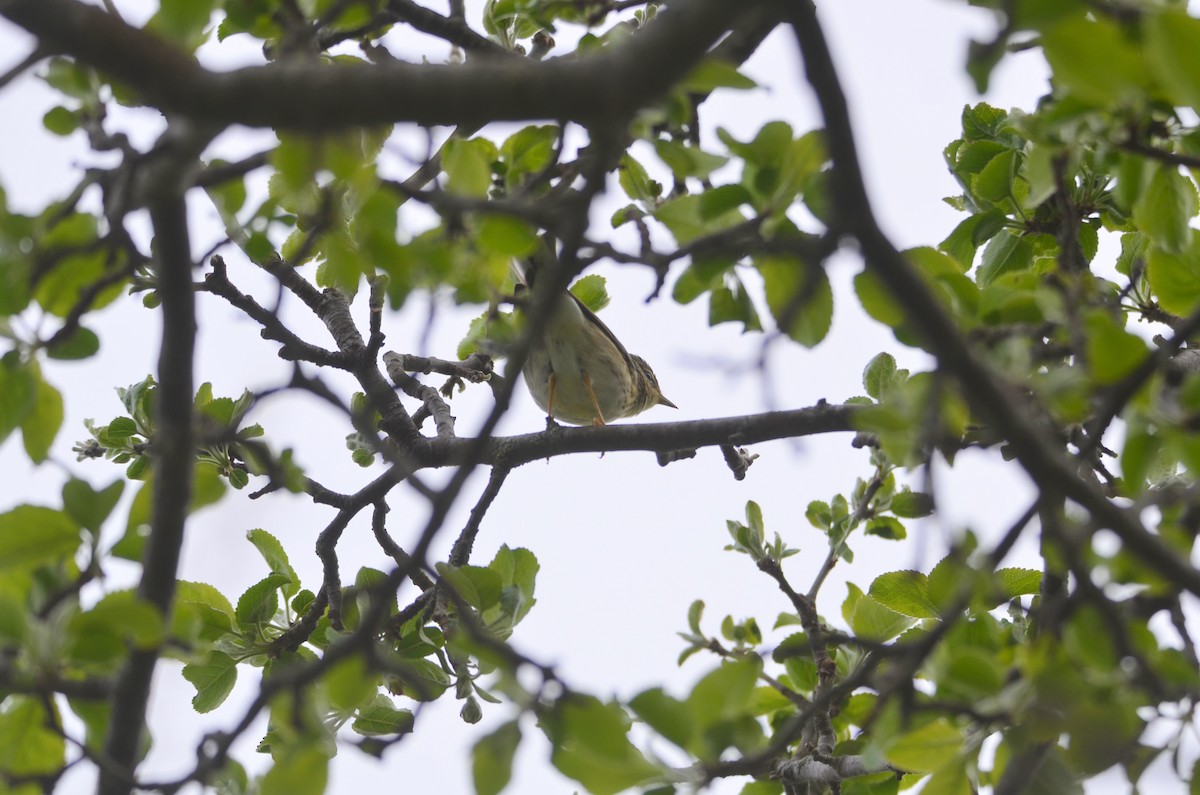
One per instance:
(492, 759)
(636, 182)
(800, 297)
(82, 344)
(29, 747)
(1165, 208)
(40, 426)
(103, 634)
(468, 165)
(18, 394)
(90, 507)
(712, 74)
(299, 770)
(1112, 352)
(591, 746)
(1172, 50)
(1095, 59)
(687, 161)
(1175, 278)
(927, 748)
(506, 236)
(61, 121)
(31, 535)
(668, 716)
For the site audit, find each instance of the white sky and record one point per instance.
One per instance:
(624, 545)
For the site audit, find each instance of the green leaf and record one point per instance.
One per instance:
(28, 746)
(800, 298)
(905, 592)
(909, 504)
(213, 679)
(951, 779)
(71, 78)
(61, 121)
(299, 770)
(723, 693)
(492, 759)
(103, 634)
(930, 747)
(31, 535)
(636, 182)
(41, 424)
(421, 680)
(273, 553)
(877, 301)
(995, 182)
(591, 291)
(82, 344)
(688, 161)
(1172, 50)
(879, 375)
(1113, 352)
(713, 73)
(382, 718)
(732, 303)
(872, 620)
(349, 684)
(668, 716)
(506, 236)
(683, 217)
(468, 165)
(723, 199)
(18, 394)
(1095, 60)
(1165, 208)
(1174, 278)
(971, 233)
(204, 605)
(479, 586)
(78, 264)
(260, 602)
(591, 746)
(886, 527)
(702, 275)
(183, 20)
(1006, 252)
(89, 507)
(528, 151)
(1018, 582)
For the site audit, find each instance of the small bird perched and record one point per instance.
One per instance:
(579, 372)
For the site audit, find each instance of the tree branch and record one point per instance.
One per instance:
(611, 84)
(173, 464)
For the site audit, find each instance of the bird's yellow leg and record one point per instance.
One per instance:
(587, 382)
(550, 400)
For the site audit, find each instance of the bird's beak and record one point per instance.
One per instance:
(662, 401)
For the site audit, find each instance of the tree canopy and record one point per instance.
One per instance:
(1058, 320)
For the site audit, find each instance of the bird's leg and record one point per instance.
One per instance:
(587, 382)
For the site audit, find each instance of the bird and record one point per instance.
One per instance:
(579, 372)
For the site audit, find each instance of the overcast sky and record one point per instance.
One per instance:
(624, 545)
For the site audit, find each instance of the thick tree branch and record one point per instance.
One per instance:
(173, 463)
(611, 84)
(651, 437)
